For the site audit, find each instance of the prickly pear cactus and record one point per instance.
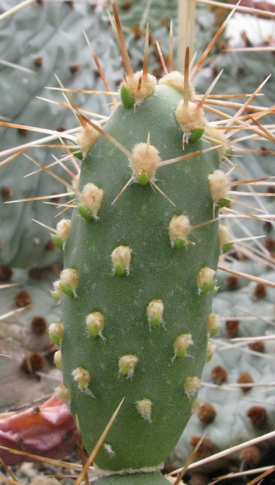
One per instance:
(140, 263)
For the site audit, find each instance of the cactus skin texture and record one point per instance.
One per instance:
(139, 219)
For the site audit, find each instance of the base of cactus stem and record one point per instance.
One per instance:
(155, 478)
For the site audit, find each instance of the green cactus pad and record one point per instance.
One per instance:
(158, 389)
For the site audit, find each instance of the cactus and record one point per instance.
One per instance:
(145, 221)
(85, 375)
(139, 321)
(140, 264)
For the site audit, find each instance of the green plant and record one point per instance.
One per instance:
(138, 127)
(133, 238)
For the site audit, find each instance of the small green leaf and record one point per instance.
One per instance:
(179, 243)
(182, 351)
(214, 331)
(71, 193)
(216, 289)
(196, 135)
(119, 269)
(143, 178)
(127, 98)
(227, 247)
(76, 153)
(55, 296)
(84, 212)
(223, 202)
(155, 320)
(66, 289)
(54, 338)
(207, 287)
(93, 331)
(57, 241)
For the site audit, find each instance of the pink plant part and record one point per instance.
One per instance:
(47, 431)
